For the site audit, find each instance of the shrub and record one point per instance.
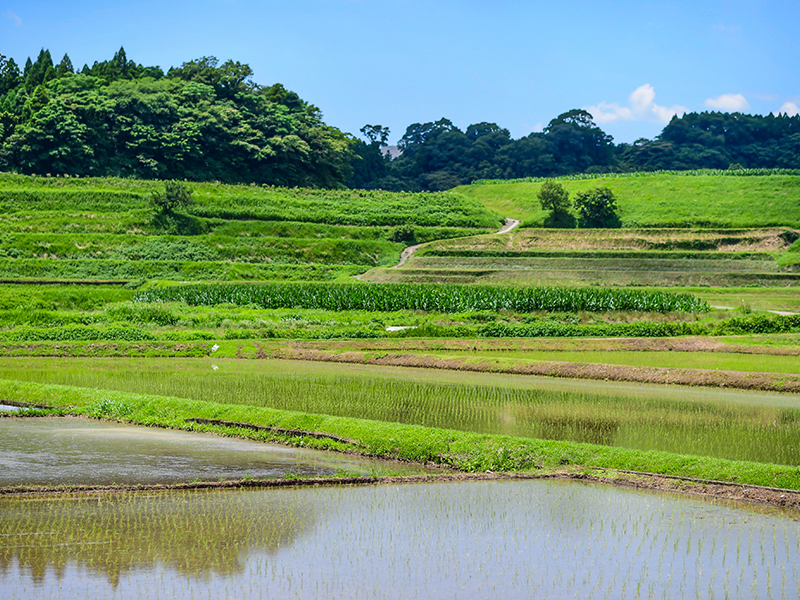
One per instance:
(597, 208)
(175, 195)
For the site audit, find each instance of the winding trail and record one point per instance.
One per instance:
(409, 252)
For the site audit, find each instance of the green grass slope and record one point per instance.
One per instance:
(71, 229)
(663, 199)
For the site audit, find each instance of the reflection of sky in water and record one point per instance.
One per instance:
(523, 539)
(77, 451)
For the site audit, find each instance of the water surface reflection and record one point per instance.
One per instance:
(514, 539)
(57, 451)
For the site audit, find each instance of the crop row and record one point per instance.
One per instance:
(335, 207)
(688, 173)
(133, 270)
(57, 327)
(631, 254)
(425, 297)
(643, 420)
(199, 248)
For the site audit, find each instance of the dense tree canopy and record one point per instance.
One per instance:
(199, 121)
(207, 120)
(439, 155)
(597, 208)
(714, 140)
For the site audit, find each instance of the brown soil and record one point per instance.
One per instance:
(779, 382)
(683, 344)
(643, 481)
(744, 240)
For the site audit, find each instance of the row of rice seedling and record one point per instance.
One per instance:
(764, 429)
(410, 541)
(424, 297)
(191, 533)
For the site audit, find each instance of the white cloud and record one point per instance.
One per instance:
(788, 108)
(728, 103)
(12, 16)
(641, 107)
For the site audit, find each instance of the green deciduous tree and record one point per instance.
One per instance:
(597, 208)
(553, 197)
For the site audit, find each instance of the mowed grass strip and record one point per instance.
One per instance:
(462, 450)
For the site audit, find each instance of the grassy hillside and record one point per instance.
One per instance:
(69, 229)
(663, 199)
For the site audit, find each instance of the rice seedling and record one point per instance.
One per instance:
(736, 426)
(510, 539)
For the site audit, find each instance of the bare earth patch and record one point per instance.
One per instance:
(779, 382)
(717, 490)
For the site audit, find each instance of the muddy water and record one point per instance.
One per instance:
(514, 539)
(77, 451)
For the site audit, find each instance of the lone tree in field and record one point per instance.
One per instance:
(555, 198)
(175, 195)
(597, 208)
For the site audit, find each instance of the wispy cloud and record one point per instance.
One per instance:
(721, 28)
(728, 103)
(641, 107)
(13, 17)
(788, 108)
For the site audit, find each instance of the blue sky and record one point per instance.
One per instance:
(397, 62)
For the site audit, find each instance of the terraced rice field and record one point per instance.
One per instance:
(517, 539)
(606, 257)
(760, 427)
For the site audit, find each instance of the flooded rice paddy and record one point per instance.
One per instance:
(64, 451)
(730, 424)
(512, 539)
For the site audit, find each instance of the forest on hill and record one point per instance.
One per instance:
(202, 121)
(206, 121)
(439, 156)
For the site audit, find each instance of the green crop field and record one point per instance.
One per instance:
(92, 276)
(636, 423)
(603, 257)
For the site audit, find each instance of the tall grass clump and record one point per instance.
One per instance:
(425, 297)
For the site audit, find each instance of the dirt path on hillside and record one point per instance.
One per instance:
(409, 252)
